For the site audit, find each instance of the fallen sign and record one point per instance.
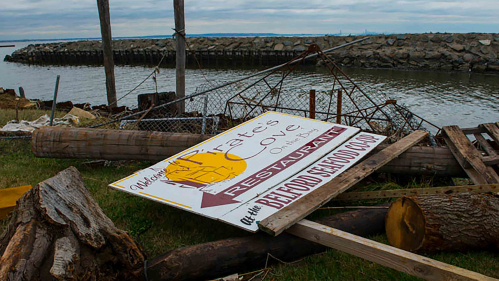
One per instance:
(249, 172)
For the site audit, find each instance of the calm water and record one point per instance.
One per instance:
(442, 98)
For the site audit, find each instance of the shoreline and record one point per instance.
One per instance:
(475, 52)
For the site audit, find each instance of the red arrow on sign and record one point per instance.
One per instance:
(228, 195)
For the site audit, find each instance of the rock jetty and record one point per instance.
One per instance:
(440, 51)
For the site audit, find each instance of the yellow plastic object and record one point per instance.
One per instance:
(8, 198)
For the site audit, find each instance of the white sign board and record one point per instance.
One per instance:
(309, 179)
(230, 171)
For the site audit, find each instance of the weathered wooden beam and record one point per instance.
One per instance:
(491, 160)
(287, 216)
(466, 154)
(156, 146)
(243, 254)
(485, 145)
(382, 254)
(443, 190)
(491, 129)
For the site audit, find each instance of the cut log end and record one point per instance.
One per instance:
(445, 222)
(405, 225)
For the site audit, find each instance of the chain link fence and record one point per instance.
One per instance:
(219, 105)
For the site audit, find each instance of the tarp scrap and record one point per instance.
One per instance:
(30, 126)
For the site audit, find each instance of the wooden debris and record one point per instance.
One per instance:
(59, 232)
(459, 222)
(243, 254)
(287, 216)
(398, 259)
(8, 198)
(470, 159)
(468, 156)
(447, 190)
(157, 146)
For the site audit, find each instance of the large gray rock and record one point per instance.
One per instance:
(278, 47)
(484, 42)
(436, 39)
(299, 48)
(456, 47)
(366, 42)
(287, 43)
(160, 44)
(449, 39)
(390, 41)
(432, 55)
(401, 54)
(468, 57)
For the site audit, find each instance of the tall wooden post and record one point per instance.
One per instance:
(105, 28)
(178, 7)
(311, 104)
(338, 107)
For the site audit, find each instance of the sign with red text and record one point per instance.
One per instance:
(309, 179)
(232, 169)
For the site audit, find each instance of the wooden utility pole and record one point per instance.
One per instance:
(105, 28)
(178, 7)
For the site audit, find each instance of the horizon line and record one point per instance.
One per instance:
(234, 34)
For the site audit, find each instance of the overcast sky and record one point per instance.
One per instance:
(30, 19)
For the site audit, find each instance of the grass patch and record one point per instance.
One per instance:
(25, 114)
(169, 228)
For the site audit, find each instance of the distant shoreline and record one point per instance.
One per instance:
(236, 35)
(477, 52)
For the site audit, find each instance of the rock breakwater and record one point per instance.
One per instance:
(440, 51)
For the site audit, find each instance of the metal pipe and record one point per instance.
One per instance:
(55, 99)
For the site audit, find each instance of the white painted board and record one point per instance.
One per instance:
(218, 175)
(248, 215)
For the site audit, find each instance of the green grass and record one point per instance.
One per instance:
(168, 228)
(26, 114)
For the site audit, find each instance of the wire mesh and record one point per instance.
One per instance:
(219, 105)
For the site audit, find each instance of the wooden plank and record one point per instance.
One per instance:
(485, 145)
(482, 188)
(382, 254)
(491, 160)
(464, 150)
(8, 198)
(493, 131)
(472, 174)
(301, 208)
(469, 131)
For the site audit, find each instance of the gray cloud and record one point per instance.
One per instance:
(79, 18)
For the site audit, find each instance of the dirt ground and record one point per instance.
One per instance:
(8, 100)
